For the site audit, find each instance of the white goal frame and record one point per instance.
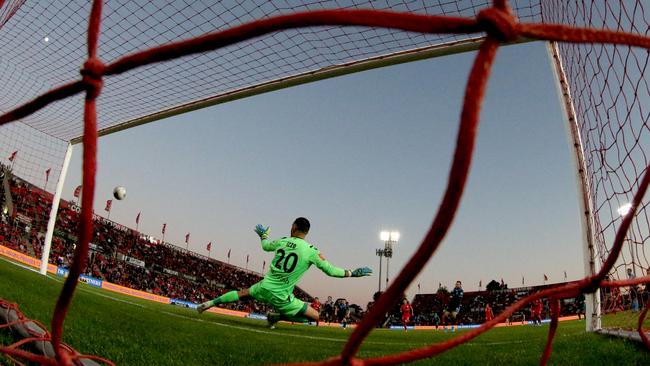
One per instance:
(591, 255)
(590, 251)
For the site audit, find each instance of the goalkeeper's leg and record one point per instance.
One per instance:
(228, 297)
(293, 311)
(310, 314)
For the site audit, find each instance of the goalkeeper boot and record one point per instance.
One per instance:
(203, 307)
(272, 319)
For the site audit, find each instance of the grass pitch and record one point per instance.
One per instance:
(130, 331)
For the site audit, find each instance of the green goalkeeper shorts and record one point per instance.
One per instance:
(289, 305)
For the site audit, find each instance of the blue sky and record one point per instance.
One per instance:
(356, 155)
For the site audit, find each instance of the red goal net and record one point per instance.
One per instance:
(148, 60)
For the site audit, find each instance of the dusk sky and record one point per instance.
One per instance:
(356, 155)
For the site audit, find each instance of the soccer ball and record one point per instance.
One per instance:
(119, 193)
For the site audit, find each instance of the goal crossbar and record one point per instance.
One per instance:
(396, 58)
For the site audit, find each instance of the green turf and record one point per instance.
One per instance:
(135, 332)
(625, 320)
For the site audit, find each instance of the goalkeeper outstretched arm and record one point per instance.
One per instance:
(333, 271)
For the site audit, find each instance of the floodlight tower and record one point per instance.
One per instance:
(389, 238)
(380, 253)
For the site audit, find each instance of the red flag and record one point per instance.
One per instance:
(545, 277)
(228, 253)
(13, 156)
(164, 227)
(77, 192)
(209, 246)
(137, 218)
(47, 174)
(187, 238)
(109, 203)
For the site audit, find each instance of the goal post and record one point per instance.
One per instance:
(56, 199)
(605, 93)
(590, 251)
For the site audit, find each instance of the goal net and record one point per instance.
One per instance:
(610, 94)
(157, 59)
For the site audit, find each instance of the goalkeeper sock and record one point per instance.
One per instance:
(226, 298)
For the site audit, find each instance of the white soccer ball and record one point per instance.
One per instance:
(119, 193)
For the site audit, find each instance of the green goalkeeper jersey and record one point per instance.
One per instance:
(293, 257)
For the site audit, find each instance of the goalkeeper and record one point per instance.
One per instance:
(293, 257)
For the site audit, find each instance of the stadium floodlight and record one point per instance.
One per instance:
(389, 236)
(384, 235)
(380, 253)
(625, 209)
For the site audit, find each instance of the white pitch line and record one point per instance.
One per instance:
(254, 330)
(20, 265)
(108, 296)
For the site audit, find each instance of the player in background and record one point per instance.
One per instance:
(645, 295)
(436, 319)
(293, 257)
(580, 305)
(489, 315)
(316, 305)
(328, 309)
(536, 312)
(342, 312)
(453, 308)
(407, 312)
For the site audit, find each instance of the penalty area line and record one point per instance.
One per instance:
(20, 265)
(254, 330)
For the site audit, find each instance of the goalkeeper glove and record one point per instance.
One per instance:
(262, 232)
(360, 272)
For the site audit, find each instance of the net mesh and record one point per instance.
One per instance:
(33, 65)
(610, 92)
(30, 154)
(500, 25)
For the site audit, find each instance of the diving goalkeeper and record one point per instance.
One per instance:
(293, 257)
